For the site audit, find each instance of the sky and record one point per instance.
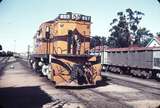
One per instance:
(19, 19)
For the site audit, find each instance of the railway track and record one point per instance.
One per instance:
(3, 59)
(92, 98)
(112, 95)
(140, 85)
(87, 96)
(3, 63)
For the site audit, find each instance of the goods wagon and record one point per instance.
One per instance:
(141, 62)
(61, 51)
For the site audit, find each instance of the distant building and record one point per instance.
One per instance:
(155, 42)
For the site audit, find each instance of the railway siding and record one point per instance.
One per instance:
(149, 83)
(37, 91)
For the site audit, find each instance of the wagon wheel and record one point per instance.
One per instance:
(149, 75)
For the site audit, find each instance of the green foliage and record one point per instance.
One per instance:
(158, 34)
(145, 42)
(0, 47)
(125, 30)
(98, 41)
(142, 36)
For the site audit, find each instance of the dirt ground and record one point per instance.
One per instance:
(21, 88)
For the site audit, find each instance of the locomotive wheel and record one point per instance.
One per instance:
(34, 66)
(31, 63)
(49, 74)
(45, 70)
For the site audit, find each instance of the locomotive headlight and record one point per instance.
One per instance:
(47, 29)
(40, 63)
(31, 61)
(47, 32)
(42, 59)
(103, 67)
(84, 66)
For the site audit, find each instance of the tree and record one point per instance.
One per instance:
(158, 34)
(95, 41)
(125, 29)
(103, 41)
(142, 36)
(112, 42)
(98, 41)
(0, 47)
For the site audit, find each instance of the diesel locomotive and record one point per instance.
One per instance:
(61, 51)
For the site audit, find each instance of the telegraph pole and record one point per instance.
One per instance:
(47, 40)
(14, 46)
(28, 52)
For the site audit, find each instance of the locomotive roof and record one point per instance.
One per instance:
(71, 16)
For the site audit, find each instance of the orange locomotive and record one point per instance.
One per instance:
(61, 51)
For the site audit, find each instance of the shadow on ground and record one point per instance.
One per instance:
(23, 97)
